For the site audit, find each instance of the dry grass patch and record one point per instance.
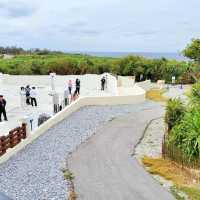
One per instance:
(156, 95)
(184, 179)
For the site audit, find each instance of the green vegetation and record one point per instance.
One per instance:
(193, 50)
(174, 112)
(42, 61)
(192, 192)
(183, 179)
(184, 124)
(68, 175)
(176, 194)
(186, 134)
(195, 94)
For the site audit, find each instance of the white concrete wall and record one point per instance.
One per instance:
(126, 81)
(134, 90)
(138, 97)
(111, 84)
(146, 85)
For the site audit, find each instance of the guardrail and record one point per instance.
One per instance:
(12, 139)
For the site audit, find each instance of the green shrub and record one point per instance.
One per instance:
(174, 112)
(195, 94)
(68, 175)
(186, 134)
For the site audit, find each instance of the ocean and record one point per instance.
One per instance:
(176, 56)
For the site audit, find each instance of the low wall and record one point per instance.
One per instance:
(146, 85)
(126, 81)
(81, 102)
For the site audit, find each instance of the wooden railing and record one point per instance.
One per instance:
(12, 139)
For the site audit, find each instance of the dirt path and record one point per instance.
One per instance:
(104, 168)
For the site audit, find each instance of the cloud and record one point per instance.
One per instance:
(80, 31)
(16, 9)
(146, 33)
(79, 28)
(79, 24)
(99, 25)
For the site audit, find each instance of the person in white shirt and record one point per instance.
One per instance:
(33, 94)
(23, 97)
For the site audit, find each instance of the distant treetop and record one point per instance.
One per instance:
(192, 50)
(19, 51)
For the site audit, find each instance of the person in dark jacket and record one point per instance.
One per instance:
(3, 108)
(103, 81)
(28, 89)
(78, 85)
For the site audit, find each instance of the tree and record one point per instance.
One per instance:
(192, 50)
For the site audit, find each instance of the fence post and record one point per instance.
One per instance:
(11, 144)
(3, 148)
(24, 127)
(163, 147)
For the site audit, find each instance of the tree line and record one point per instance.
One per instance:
(13, 50)
(40, 63)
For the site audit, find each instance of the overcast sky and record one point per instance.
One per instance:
(100, 25)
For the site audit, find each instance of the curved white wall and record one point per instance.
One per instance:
(146, 85)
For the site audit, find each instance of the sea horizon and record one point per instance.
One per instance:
(155, 55)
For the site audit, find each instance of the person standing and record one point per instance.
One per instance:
(78, 85)
(33, 95)
(66, 96)
(23, 97)
(103, 81)
(3, 108)
(70, 86)
(27, 90)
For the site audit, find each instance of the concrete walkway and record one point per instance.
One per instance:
(104, 168)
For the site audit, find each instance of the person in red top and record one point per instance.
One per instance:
(3, 108)
(70, 86)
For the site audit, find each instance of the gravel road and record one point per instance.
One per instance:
(104, 168)
(34, 173)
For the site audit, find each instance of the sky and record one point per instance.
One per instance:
(100, 25)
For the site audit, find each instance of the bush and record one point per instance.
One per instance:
(174, 112)
(186, 134)
(195, 94)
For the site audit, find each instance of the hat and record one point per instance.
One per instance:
(1, 95)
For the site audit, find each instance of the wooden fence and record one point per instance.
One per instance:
(12, 139)
(171, 151)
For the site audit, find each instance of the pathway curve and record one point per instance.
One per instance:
(104, 168)
(35, 172)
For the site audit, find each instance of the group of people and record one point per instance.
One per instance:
(72, 90)
(28, 96)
